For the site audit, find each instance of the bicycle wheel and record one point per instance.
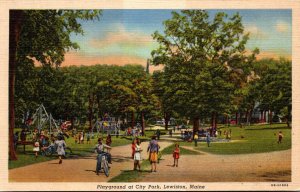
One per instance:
(48, 152)
(105, 167)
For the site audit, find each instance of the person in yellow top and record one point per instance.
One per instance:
(196, 139)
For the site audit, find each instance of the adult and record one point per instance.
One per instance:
(88, 137)
(153, 149)
(23, 135)
(196, 139)
(81, 138)
(137, 155)
(61, 144)
(208, 138)
(158, 134)
(108, 142)
(100, 150)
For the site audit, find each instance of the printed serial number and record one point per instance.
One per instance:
(280, 185)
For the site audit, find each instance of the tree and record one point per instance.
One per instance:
(200, 55)
(48, 34)
(275, 87)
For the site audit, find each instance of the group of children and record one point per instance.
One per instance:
(153, 153)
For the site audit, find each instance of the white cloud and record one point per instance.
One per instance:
(255, 32)
(282, 26)
(121, 36)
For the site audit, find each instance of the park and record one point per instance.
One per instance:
(203, 96)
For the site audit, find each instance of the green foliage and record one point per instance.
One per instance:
(204, 61)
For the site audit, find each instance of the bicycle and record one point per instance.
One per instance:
(104, 165)
(51, 149)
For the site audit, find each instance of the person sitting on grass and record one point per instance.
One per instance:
(176, 153)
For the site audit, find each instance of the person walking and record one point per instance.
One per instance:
(280, 136)
(88, 138)
(208, 138)
(133, 148)
(196, 139)
(61, 144)
(137, 155)
(176, 153)
(153, 149)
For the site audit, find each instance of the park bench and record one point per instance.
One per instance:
(24, 143)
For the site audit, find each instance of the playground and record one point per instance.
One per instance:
(196, 164)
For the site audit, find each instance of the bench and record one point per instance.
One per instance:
(24, 143)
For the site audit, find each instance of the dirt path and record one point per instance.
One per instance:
(78, 169)
(273, 166)
(263, 167)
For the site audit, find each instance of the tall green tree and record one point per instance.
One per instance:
(43, 35)
(275, 87)
(199, 55)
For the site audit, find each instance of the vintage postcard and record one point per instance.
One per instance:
(149, 95)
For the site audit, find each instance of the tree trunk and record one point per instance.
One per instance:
(167, 119)
(265, 119)
(270, 117)
(90, 112)
(236, 118)
(15, 20)
(250, 116)
(227, 119)
(132, 120)
(196, 125)
(143, 123)
(247, 116)
(240, 118)
(213, 120)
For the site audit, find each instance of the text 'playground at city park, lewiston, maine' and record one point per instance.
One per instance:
(157, 93)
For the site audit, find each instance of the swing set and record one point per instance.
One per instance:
(108, 125)
(41, 119)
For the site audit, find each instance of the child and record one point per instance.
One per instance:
(137, 155)
(280, 136)
(133, 148)
(176, 153)
(36, 148)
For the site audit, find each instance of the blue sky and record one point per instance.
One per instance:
(124, 36)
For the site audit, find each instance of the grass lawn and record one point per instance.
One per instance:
(256, 139)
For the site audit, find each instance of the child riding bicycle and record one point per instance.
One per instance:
(100, 150)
